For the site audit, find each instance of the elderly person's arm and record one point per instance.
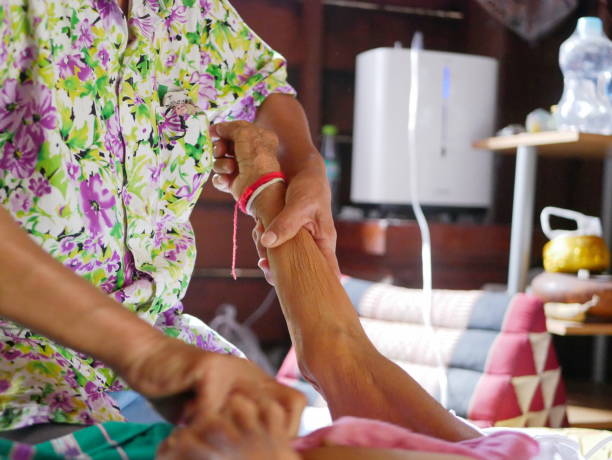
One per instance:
(40, 293)
(333, 350)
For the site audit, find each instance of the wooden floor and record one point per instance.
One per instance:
(589, 405)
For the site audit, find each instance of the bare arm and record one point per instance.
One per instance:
(333, 350)
(284, 116)
(40, 293)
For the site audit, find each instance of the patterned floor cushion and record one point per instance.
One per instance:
(500, 362)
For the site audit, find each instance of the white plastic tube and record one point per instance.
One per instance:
(415, 47)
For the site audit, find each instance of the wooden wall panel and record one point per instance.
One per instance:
(206, 295)
(463, 256)
(349, 32)
(278, 22)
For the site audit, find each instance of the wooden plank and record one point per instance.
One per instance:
(589, 405)
(312, 68)
(552, 143)
(559, 327)
(464, 256)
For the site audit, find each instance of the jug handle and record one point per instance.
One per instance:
(559, 212)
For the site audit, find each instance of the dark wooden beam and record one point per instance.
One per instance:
(312, 72)
(604, 11)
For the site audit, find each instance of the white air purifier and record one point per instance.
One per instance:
(456, 106)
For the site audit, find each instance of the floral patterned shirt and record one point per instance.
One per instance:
(102, 170)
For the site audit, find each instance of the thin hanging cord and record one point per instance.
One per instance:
(235, 241)
(415, 47)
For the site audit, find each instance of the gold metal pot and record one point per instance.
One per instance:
(570, 253)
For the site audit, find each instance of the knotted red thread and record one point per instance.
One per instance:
(242, 205)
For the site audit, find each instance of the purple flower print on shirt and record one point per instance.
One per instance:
(126, 196)
(153, 4)
(3, 51)
(10, 354)
(109, 285)
(4, 385)
(20, 201)
(70, 378)
(19, 156)
(205, 59)
(92, 244)
(144, 25)
(74, 264)
(210, 344)
(60, 400)
(40, 113)
(109, 11)
(113, 264)
(169, 317)
(26, 57)
(66, 246)
(189, 192)
(112, 139)
(73, 64)
(176, 15)
(247, 74)
(85, 36)
(104, 57)
(171, 122)
(97, 204)
(73, 171)
(245, 109)
(171, 60)
(39, 186)
(206, 88)
(93, 391)
(205, 6)
(87, 420)
(12, 106)
(261, 88)
(156, 172)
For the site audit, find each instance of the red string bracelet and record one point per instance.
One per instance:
(245, 202)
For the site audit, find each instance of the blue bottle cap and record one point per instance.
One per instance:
(589, 26)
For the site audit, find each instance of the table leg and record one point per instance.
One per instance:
(600, 342)
(606, 199)
(522, 218)
(600, 352)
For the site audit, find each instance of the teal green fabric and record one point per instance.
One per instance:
(108, 441)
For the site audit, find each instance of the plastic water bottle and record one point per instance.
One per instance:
(332, 166)
(586, 61)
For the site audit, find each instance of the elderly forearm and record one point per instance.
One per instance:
(332, 348)
(41, 294)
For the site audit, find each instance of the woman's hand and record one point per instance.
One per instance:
(307, 201)
(243, 431)
(170, 373)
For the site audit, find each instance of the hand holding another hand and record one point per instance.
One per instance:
(201, 383)
(307, 200)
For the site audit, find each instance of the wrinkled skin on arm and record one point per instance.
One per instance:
(333, 350)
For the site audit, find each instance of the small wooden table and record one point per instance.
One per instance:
(527, 147)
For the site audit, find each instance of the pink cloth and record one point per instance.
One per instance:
(357, 432)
